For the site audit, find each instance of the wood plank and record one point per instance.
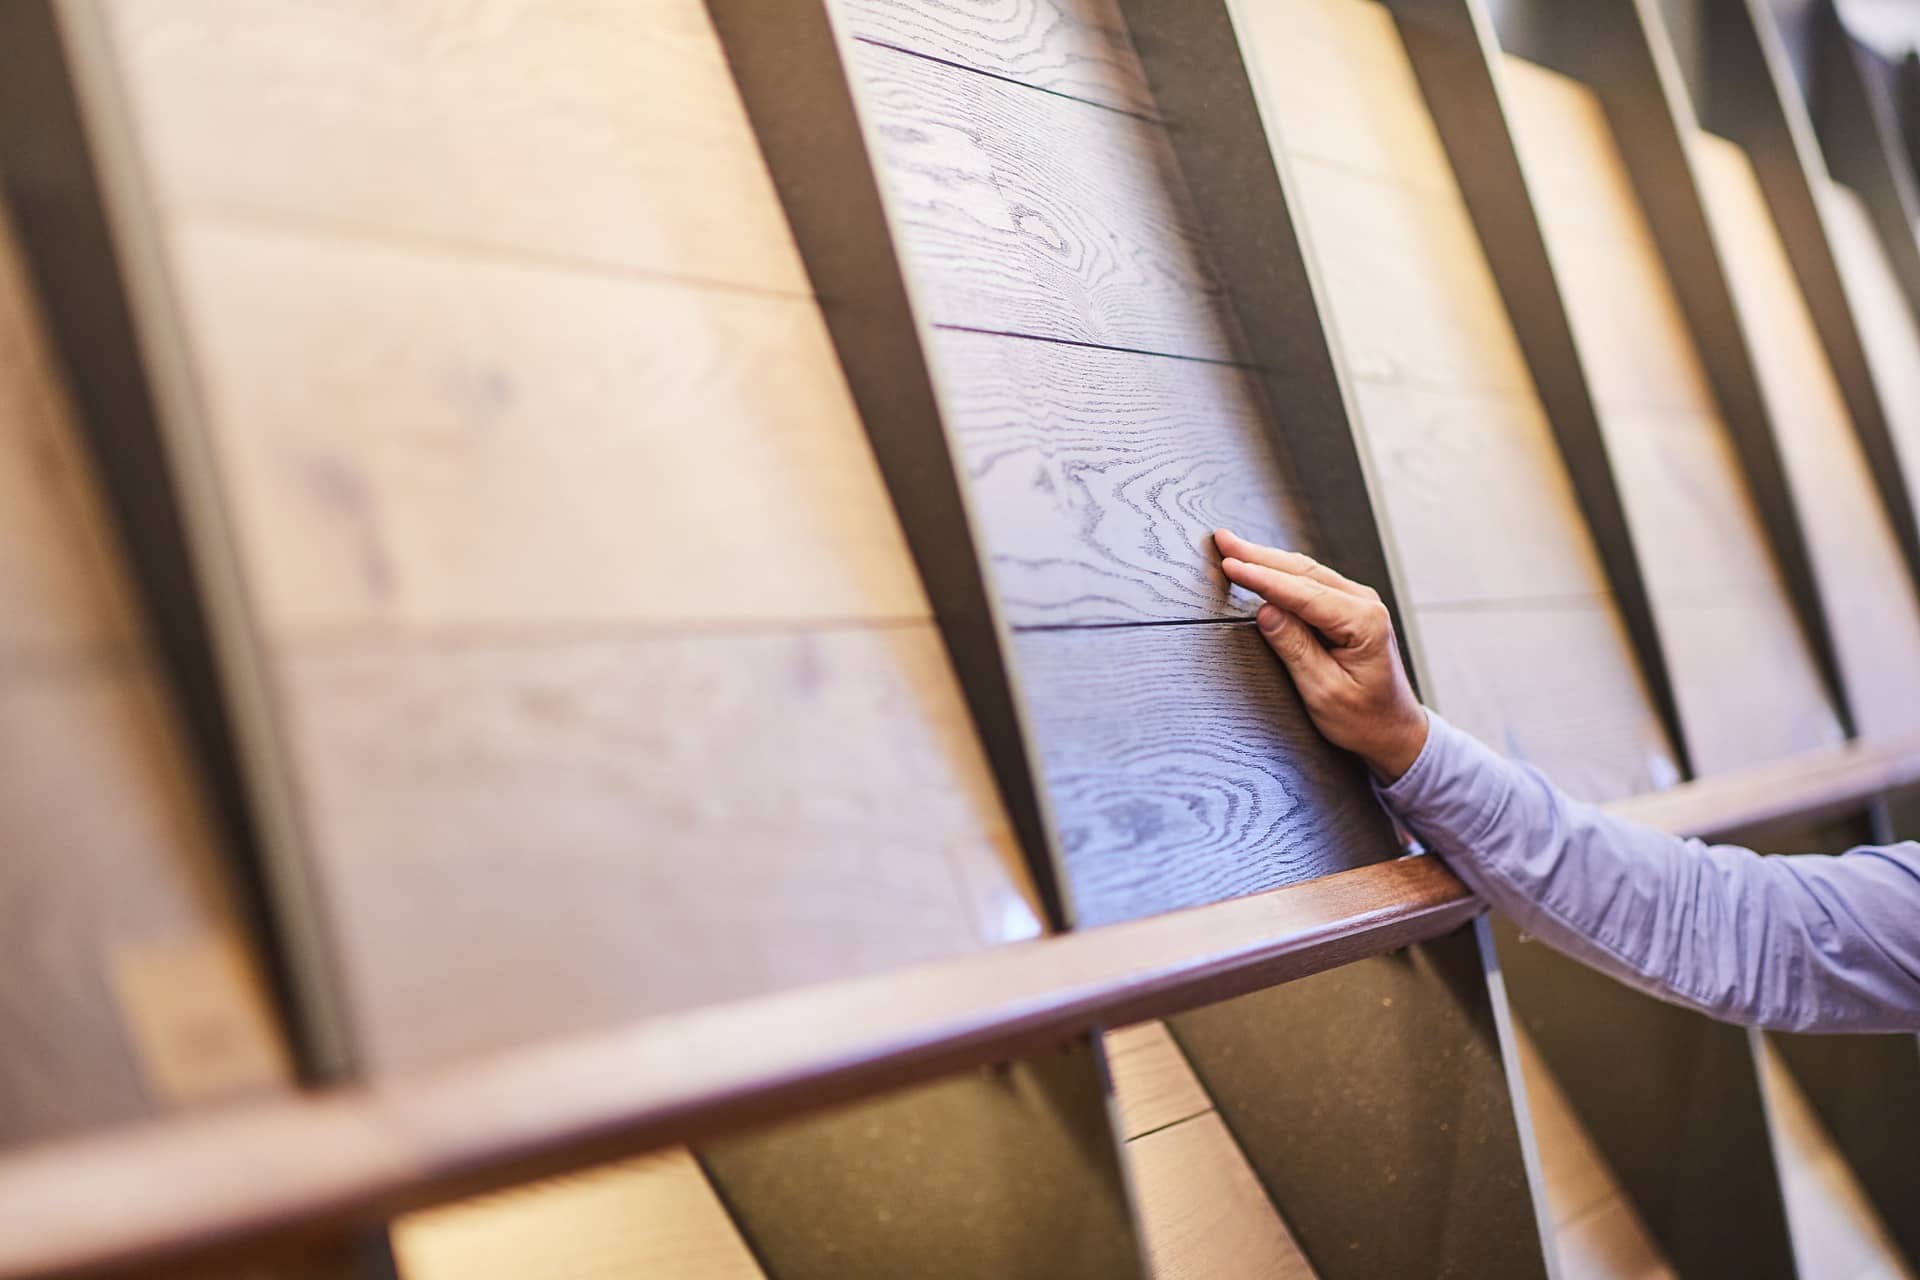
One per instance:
(1076, 48)
(1888, 326)
(1203, 1211)
(414, 439)
(1610, 1244)
(1183, 769)
(1554, 120)
(403, 121)
(600, 778)
(1098, 477)
(1005, 1171)
(1020, 211)
(1869, 594)
(653, 1215)
(1836, 1233)
(1152, 1084)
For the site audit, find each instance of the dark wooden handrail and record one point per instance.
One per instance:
(255, 1177)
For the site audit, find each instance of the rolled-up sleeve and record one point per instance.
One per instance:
(1799, 942)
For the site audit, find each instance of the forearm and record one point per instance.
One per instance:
(1791, 942)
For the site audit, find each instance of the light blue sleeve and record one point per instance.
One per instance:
(1805, 942)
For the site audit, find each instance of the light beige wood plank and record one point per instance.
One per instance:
(1205, 1214)
(1078, 48)
(530, 838)
(1411, 294)
(1024, 212)
(1864, 581)
(653, 1216)
(1550, 684)
(1554, 119)
(1836, 1233)
(1596, 1232)
(1338, 87)
(579, 131)
(1151, 1079)
(415, 438)
(1745, 684)
(1888, 328)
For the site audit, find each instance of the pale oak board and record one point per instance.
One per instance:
(1836, 1233)
(414, 438)
(580, 131)
(1184, 770)
(1023, 212)
(1553, 120)
(1203, 1211)
(1888, 327)
(1076, 48)
(654, 1215)
(1869, 595)
(1098, 477)
(1152, 1083)
(529, 839)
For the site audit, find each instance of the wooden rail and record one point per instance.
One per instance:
(254, 1179)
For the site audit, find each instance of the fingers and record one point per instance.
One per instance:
(1347, 620)
(1311, 666)
(1232, 544)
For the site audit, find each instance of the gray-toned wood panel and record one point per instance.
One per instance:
(1389, 1158)
(1010, 1171)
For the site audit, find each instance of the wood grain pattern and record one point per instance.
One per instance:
(1836, 1233)
(699, 817)
(1203, 1210)
(1744, 674)
(1869, 595)
(1888, 328)
(1025, 212)
(417, 439)
(654, 1215)
(403, 121)
(1152, 1083)
(1183, 769)
(1077, 48)
(107, 848)
(1098, 477)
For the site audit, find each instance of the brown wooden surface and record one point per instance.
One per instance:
(1869, 596)
(108, 871)
(1745, 678)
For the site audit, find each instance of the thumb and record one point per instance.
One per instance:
(1293, 641)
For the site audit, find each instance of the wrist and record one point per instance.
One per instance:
(1398, 749)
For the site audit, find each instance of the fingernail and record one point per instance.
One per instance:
(1269, 620)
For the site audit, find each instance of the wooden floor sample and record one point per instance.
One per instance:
(1743, 672)
(607, 683)
(651, 1216)
(1868, 590)
(109, 866)
(1201, 1206)
(1836, 1233)
(1492, 546)
(1888, 327)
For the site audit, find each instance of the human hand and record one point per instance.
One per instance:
(1336, 639)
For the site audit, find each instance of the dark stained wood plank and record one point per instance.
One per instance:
(1002, 1172)
(1098, 477)
(652, 1215)
(607, 780)
(1020, 211)
(1183, 769)
(1375, 1094)
(1077, 48)
(403, 121)
(1868, 593)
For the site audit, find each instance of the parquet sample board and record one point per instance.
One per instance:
(1868, 591)
(127, 990)
(1202, 1210)
(1099, 401)
(609, 685)
(1744, 675)
(982, 1174)
(655, 1215)
(1888, 328)
(1513, 622)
